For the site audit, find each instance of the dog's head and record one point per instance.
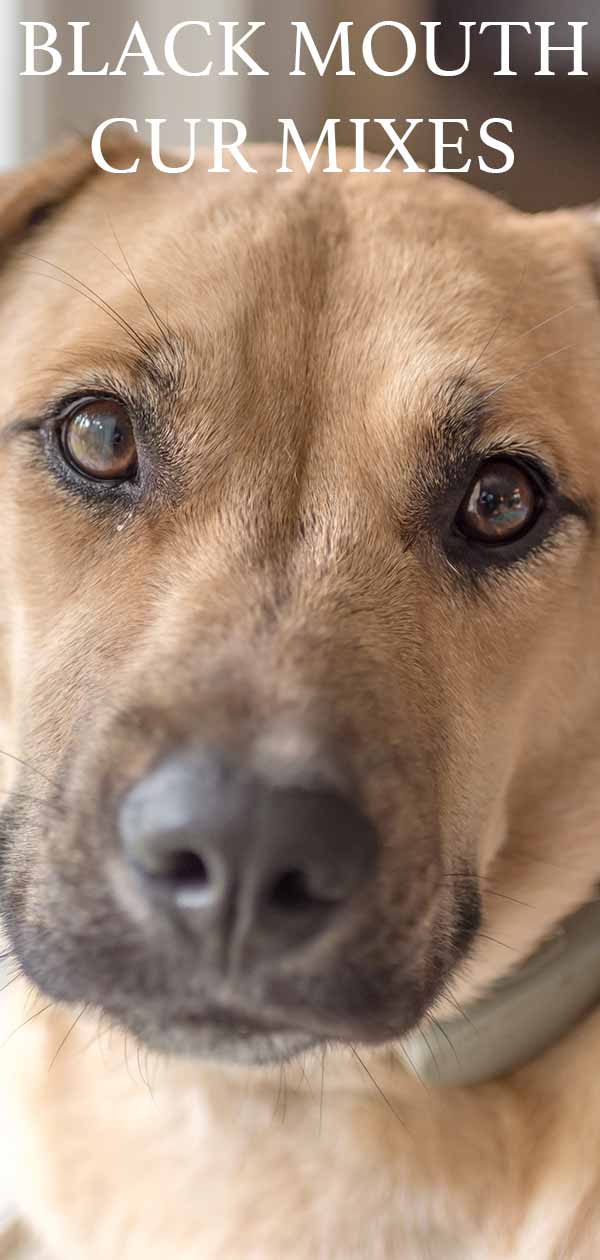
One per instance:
(299, 595)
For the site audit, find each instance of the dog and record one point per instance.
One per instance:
(300, 714)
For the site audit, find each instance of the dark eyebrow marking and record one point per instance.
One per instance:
(149, 382)
(449, 441)
(457, 434)
(163, 365)
(452, 445)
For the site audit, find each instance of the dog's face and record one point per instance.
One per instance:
(299, 592)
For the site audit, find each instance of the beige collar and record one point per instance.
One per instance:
(521, 1016)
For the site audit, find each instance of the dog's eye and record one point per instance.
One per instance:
(98, 440)
(502, 504)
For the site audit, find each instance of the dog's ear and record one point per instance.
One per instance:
(589, 217)
(30, 194)
(586, 222)
(572, 239)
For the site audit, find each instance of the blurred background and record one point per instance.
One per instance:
(556, 136)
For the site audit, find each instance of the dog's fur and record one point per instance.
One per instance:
(318, 361)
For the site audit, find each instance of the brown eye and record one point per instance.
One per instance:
(503, 503)
(98, 440)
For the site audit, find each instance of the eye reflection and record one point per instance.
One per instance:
(502, 503)
(98, 440)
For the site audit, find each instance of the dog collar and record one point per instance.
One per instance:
(520, 1016)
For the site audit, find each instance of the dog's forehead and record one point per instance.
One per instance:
(383, 257)
(310, 300)
(377, 270)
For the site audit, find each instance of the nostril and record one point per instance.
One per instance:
(291, 893)
(185, 867)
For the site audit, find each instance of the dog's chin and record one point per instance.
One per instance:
(254, 1049)
(237, 1037)
(225, 1040)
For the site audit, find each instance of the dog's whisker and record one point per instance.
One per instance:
(29, 1020)
(543, 323)
(492, 892)
(125, 1035)
(143, 1077)
(444, 1034)
(509, 380)
(58, 280)
(95, 298)
(28, 765)
(162, 327)
(451, 880)
(496, 328)
(303, 1074)
(156, 1063)
(144, 1073)
(142, 341)
(95, 1039)
(10, 981)
(413, 1067)
(121, 272)
(423, 1036)
(285, 1095)
(521, 855)
(449, 997)
(31, 997)
(137, 289)
(46, 802)
(489, 343)
(139, 1063)
(484, 937)
(71, 1029)
(322, 1093)
(106, 1027)
(281, 1095)
(377, 1086)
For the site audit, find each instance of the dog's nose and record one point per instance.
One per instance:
(243, 857)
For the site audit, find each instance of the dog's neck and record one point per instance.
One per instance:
(521, 1016)
(535, 969)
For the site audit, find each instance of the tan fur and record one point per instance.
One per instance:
(388, 288)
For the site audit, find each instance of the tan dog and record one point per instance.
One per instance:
(301, 709)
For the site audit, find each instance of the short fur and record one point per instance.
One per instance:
(317, 363)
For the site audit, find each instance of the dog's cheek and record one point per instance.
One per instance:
(78, 600)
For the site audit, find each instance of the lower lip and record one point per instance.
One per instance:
(238, 1042)
(232, 1024)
